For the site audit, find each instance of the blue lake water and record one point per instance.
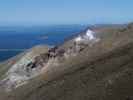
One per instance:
(27, 37)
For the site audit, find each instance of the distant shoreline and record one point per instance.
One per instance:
(13, 49)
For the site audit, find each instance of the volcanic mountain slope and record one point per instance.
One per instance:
(4, 66)
(86, 67)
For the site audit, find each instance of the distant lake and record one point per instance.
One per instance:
(12, 38)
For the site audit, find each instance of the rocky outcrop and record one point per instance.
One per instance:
(34, 61)
(91, 68)
(23, 69)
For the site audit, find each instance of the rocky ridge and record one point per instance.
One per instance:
(84, 68)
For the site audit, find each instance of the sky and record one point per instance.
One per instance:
(43, 12)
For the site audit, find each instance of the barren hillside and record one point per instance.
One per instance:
(95, 65)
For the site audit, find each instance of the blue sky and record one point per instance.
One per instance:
(39, 12)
